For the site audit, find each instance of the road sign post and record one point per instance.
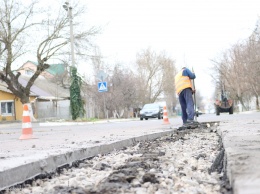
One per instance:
(102, 87)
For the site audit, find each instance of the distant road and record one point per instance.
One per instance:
(126, 124)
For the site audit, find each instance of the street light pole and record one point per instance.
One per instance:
(69, 10)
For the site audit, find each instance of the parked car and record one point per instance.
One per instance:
(151, 111)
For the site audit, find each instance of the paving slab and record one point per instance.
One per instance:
(241, 141)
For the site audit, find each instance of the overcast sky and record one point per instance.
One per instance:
(192, 32)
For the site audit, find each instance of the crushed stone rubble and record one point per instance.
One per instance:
(176, 163)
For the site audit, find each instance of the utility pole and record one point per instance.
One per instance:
(68, 8)
(76, 104)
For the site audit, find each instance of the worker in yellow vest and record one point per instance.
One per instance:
(184, 90)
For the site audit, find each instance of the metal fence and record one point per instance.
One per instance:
(53, 110)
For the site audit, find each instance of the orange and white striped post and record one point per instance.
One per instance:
(26, 124)
(165, 116)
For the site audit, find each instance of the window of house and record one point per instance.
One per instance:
(7, 107)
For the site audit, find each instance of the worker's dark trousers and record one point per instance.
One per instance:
(187, 105)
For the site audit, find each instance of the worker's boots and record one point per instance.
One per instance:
(190, 124)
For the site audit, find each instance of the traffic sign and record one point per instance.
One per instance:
(102, 86)
(101, 75)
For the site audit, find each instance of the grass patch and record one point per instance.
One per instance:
(87, 119)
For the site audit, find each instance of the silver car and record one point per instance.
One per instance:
(151, 111)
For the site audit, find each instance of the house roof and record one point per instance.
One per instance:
(41, 88)
(54, 69)
(45, 88)
(3, 87)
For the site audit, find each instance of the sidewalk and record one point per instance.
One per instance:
(241, 139)
(21, 160)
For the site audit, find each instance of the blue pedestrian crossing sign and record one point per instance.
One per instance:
(102, 86)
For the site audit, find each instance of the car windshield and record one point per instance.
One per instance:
(150, 106)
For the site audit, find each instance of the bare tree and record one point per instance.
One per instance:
(17, 23)
(127, 89)
(232, 72)
(14, 24)
(122, 91)
(99, 98)
(62, 78)
(252, 63)
(169, 72)
(155, 76)
(238, 69)
(199, 100)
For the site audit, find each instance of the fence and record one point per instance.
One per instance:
(53, 110)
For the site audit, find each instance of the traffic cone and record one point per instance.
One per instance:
(26, 125)
(165, 116)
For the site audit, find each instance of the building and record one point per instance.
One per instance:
(30, 67)
(48, 99)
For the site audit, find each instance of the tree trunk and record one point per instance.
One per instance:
(115, 114)
(242, 103)
(257, 103)
(121, 113)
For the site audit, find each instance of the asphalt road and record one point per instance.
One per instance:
(126, 124)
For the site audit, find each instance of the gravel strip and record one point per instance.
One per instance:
(172, 164)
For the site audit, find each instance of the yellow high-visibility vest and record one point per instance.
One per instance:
(182, 82)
